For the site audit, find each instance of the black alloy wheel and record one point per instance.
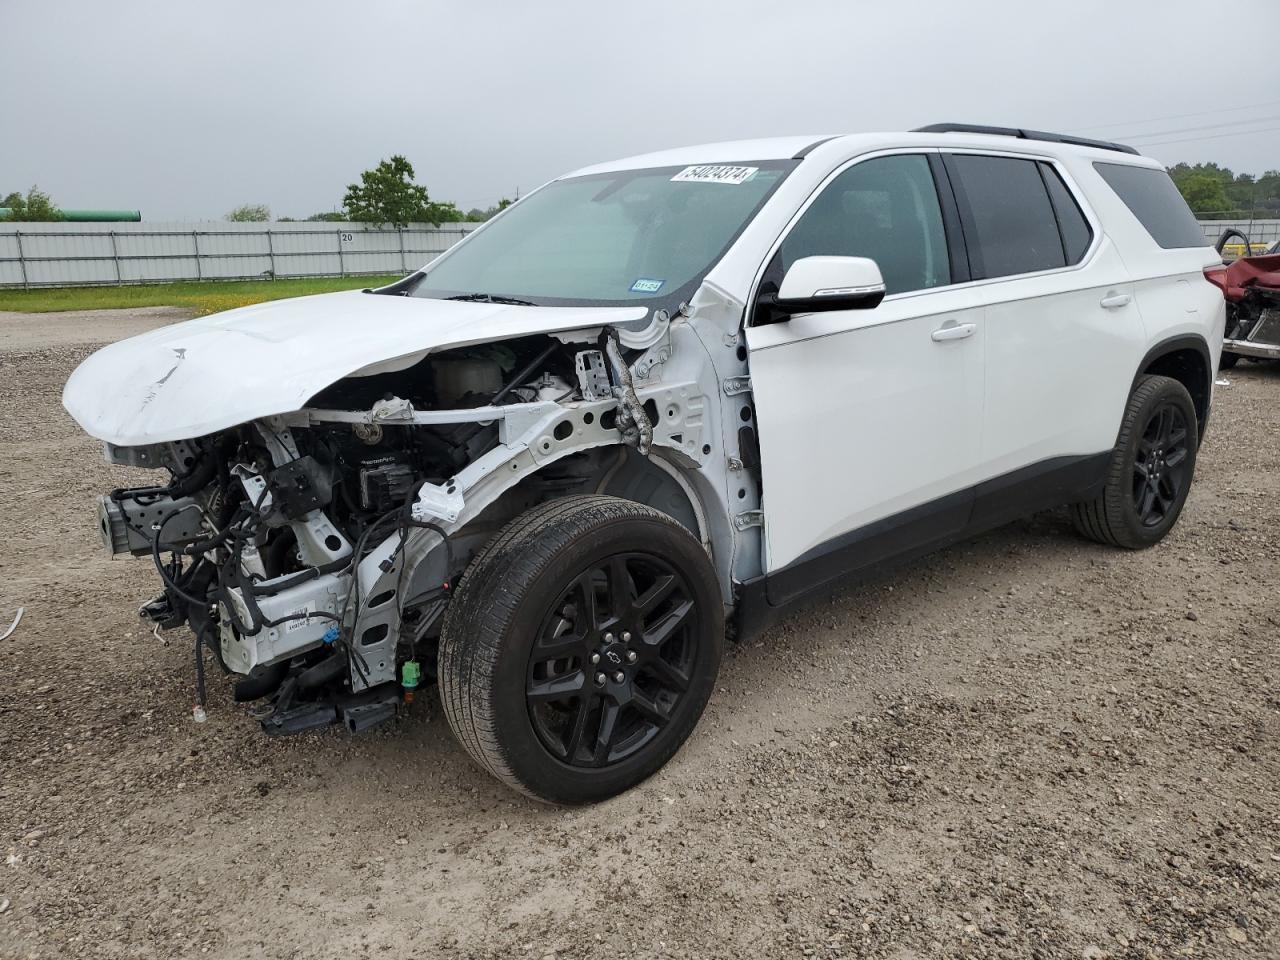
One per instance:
(581, 646)
(612, 659)
(1160, 465)
(1150, 470)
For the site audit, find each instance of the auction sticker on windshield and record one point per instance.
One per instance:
(715, 173)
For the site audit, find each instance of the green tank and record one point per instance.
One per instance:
(92, 216)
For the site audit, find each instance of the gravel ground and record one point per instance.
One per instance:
(1025, 746)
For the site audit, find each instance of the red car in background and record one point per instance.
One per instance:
(1251, 286)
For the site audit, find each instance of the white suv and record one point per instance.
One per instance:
(653, 395)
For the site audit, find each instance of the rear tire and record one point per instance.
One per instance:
(1228, 360)
(574, 590)
(1151, 469)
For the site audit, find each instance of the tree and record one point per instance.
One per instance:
(1218, 193)
(1269, 193)
(333, 216)
(250, 213)
(387, 194)
(476, 215)
(1204, 194)
(35, 207)
(438, 213)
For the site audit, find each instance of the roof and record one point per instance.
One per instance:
(784, 148)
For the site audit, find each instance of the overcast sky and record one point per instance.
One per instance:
(185, 110)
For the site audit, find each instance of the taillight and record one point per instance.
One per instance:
(1217, 275)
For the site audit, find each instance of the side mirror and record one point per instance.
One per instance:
(818, 284)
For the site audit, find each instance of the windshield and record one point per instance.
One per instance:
(615, 238)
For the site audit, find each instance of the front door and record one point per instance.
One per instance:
(870, 420)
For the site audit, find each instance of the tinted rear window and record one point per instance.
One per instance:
(1009, 224)
(1151, 197)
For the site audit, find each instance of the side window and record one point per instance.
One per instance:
(886, 209)
(1076, 235)
(1009, 226)
(1156, 202)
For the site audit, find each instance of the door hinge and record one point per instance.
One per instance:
(735, 385)
(748, 519)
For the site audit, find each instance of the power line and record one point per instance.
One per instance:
(1211, 136)
(1180, 116)
(1197, 129)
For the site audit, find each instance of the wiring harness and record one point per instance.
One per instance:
(199, 576)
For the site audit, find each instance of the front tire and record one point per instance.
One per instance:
(581, 648)
(1151, 469)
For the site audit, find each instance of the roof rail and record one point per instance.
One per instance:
(1025, 135)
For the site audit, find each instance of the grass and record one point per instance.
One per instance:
(201, 297)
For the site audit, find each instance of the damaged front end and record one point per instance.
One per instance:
(313, 552)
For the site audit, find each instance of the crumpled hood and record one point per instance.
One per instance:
(206, 375)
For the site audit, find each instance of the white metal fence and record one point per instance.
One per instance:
(83, 254)
(1261, 234)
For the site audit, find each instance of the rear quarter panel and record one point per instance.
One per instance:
(1170, 289)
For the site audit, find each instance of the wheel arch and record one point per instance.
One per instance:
(669, 482)
(1186, 359)
(657, 482)
(661, 480)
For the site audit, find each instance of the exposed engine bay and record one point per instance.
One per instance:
(313, 552)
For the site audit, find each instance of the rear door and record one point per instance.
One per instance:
(870, 420)
(1063, 335)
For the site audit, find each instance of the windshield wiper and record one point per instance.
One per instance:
(490, 298)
